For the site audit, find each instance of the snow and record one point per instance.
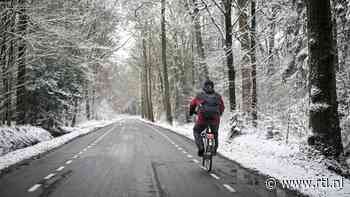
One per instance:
(315, 91)
(319, 107)
(273, 157)
(19, 155)
(12, 138)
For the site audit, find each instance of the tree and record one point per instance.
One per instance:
(228, 51)
(22, 106)
(245, 51)
(324, 120)
(165, 68)
(253, 62)
(203, 73)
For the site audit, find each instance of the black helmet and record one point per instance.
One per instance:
(208, 86)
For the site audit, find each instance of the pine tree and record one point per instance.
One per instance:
(324, 118)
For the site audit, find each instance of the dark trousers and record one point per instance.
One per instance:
(197, 130)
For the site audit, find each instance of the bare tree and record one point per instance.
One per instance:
(22, 106)
(228, 50)
(253, 62)
(165, 68)
(245, 51)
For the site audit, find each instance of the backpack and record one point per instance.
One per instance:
(210, 106)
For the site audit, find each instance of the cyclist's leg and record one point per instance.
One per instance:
(215, 129)
(197, 130)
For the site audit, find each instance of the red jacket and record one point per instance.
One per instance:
(200, 120)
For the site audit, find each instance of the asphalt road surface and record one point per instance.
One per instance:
(131, 158)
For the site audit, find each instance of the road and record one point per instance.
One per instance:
(131, 158)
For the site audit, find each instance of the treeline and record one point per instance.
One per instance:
(262, 56)
(51, 55)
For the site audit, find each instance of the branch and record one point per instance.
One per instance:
(213, 20)
(219, 7)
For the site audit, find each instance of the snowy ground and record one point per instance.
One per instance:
(289, 163)
(47, 142)
(13, 138)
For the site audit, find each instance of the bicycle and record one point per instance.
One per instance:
(209, 146)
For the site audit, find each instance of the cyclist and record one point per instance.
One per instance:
(209, 106)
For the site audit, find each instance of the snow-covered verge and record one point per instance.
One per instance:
(19, 155)
(274, 158)
(13, 138)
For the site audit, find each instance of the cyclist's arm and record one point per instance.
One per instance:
(222, 105)
(193, 106)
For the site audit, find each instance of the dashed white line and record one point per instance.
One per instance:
(34, 188)
(75, 156)
(202, 167)
(184, 152)
(214, 176)
(195, 160)
(69, 162)
(49, 176)
(80, 153)
(229, 188)
(84, 149)
(60, 168)
(189, 156)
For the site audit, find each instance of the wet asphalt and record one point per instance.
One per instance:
(131, 158)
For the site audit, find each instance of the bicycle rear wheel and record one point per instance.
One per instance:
(208, 163)
(207, 160)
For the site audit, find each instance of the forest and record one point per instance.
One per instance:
(281, 66)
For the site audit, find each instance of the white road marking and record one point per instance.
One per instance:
(214, 176)
(189, 156)
(49, 176)
(195, 160)
(89, 146)
(229, 188)
(102, 136)
(80, 153)
(84, 149)
(202, 167)
(34, 187)
(184, 152)
(60, 168)
(69, 162)
(75, 156)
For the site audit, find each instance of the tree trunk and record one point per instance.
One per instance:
(148, 62)
(4, 28)
(203, 73)
(142, 95)
(271, 47)
(245, 61)
(324, 120)
(22, 105)
(145, 79)
(87, 102)
(253, 62)
(75, 112)
(165, 68)
(229, 55)
(345, 35)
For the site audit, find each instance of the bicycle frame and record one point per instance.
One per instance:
(209, 144)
